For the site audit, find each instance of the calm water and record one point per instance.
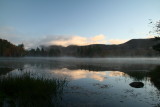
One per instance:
(96, 81)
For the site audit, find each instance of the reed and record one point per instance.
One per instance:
(27, 91)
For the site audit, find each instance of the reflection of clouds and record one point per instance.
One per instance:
(98, 77)
(116, 73)
(80, 74)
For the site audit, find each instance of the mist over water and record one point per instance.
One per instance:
(91, 80)
(120, 60)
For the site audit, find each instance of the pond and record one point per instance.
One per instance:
(111, 82)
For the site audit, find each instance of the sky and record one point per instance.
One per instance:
(77, 22)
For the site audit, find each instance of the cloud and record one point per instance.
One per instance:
(73, 40)
(150, 36)
(14, 36)
(117, 41)
(98, 38)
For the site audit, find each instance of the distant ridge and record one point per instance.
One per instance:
(131, 48)
(141, 43)
(138, 47)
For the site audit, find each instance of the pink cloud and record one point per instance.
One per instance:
(117, 41)
(150, 36)
(78, 40)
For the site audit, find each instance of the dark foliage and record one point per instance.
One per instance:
(132, 48)
(157, 47)
(155, 77)
(5, 70)
(8, 49)
(27, 91)
(156, 29)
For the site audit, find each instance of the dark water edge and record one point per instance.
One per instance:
(94, 81)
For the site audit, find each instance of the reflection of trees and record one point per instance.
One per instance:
(137, 75)
(88, 67)
(154, 76)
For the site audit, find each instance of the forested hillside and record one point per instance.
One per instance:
(8, 49)
(132, 48)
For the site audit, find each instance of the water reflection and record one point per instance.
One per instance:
(155, 76)
(152, 75)
(92, 81)
(80, 74)
(117, 73)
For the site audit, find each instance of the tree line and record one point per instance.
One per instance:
(77, 51)
(8, 49)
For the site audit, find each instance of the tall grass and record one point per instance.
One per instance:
(27, 91)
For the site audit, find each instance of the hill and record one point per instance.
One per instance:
(132, 48)
(136, 47)
(8, 49)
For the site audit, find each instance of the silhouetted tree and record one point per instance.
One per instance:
(43, 53)
(21, 50)
(32, 52)
(157, 47)
(157, 30)
(38, 52)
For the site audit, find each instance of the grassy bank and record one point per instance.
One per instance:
(27, 91)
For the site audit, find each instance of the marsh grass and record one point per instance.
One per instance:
(5, 70)
(27, 91)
